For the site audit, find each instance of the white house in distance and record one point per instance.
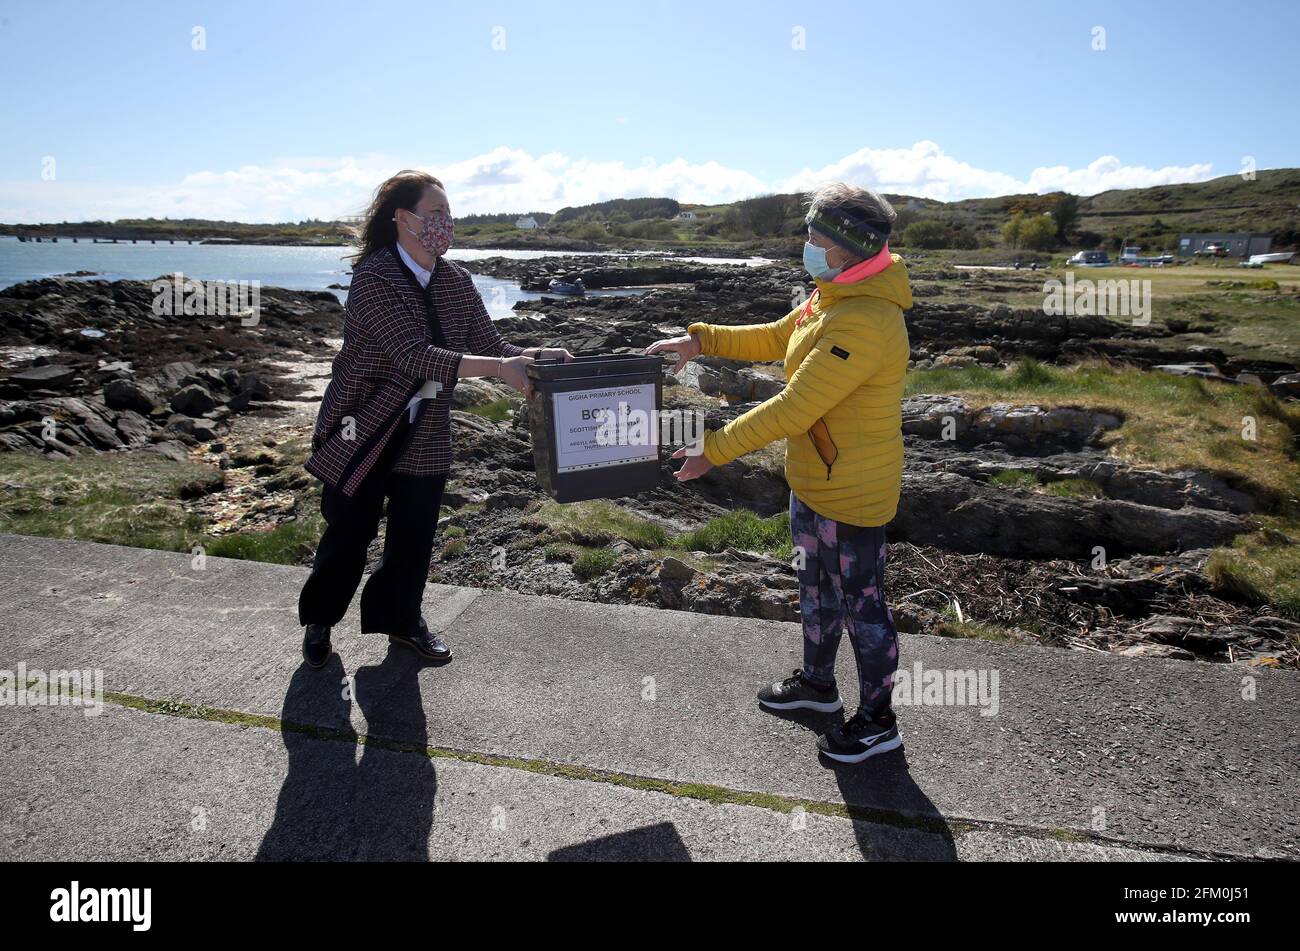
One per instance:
(527, 223)
(685, 216)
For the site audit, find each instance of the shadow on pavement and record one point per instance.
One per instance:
(893, 818)
(334, 807)
(656, 843)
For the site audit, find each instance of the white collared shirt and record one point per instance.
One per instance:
(431, 387)
(421, 274)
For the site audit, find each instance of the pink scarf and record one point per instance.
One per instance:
(868, 268)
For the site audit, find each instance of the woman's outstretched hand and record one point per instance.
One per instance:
(514, 372)
(686, 347)
(694, 466)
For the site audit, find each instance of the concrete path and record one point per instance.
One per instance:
(574, 730)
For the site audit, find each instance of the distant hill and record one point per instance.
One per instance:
(1150, 217)
(192, 229)
(620, 209)
(1156, 216)
(503, 218)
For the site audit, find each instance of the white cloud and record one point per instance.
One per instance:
(506, 179)
(923, 170)
(926, 171)
(513, 180)
(1108, 172)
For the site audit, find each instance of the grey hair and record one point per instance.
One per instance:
(838, 195)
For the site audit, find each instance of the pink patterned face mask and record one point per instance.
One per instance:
(436, 234)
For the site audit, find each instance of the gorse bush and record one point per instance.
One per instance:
(925, 234)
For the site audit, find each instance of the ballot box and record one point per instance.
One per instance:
(595, 425)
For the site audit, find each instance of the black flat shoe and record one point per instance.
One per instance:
(424, 642)
(316, 645)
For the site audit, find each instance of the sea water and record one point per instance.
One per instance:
(304, 268)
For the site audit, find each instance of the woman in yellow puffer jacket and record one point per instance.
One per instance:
(845, 351)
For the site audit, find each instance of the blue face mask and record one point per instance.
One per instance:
(814, 262)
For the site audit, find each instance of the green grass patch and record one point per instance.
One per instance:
(561, 551)
(1062, 488)
(1066, 835)
(469, 508)
(1257, 315)
(592, 563)
(1074, 489)
(1266, 285)
(739, 529)
(136, 499)
(975, 631)
(498, 410)
(1263, 568)
(1015, 479)
(116, 498)
(953, 625)
(598, 522)
(1170, 422)
(1173, 423)
(289, 543)
(294, 452)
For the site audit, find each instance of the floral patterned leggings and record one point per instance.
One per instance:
(841, 581)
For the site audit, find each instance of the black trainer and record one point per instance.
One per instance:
(424, 642)
(316, 645)
(861, 737)
(795, 693)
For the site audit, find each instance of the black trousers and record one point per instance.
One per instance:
(390, 601)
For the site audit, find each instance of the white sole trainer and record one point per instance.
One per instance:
(884, 747)
(819, 706)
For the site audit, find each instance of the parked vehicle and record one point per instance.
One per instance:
(1090, 259)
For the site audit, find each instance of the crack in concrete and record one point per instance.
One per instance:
(707, 792)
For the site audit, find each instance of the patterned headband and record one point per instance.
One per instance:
(850, 229)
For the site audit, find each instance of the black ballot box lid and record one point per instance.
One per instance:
(595, 366)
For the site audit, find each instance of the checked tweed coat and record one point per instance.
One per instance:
(394, 341)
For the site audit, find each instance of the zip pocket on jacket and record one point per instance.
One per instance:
(820, 435)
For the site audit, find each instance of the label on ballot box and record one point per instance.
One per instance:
(606, 427)
(594, 425)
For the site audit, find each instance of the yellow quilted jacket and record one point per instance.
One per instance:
(841, 410)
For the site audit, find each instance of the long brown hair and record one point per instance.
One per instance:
(378, 230)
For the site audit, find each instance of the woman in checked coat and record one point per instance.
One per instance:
(414, 325)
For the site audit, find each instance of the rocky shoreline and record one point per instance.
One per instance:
(88, 366)
(979, 535)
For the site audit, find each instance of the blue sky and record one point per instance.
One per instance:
(294, 109)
